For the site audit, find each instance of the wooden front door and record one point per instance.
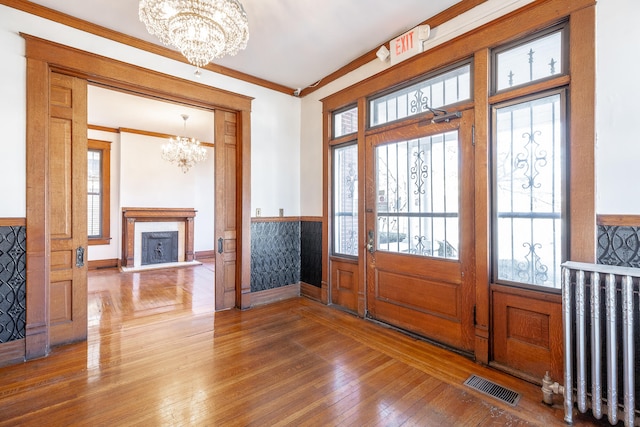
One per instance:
(226, 149)
(419, 224)
(67, 180)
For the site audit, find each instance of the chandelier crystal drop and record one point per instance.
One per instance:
(201, 29)
(184, 152)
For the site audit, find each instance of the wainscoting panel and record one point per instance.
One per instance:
(275, 254)
(619, 245)
(311, 252)
(12, 283)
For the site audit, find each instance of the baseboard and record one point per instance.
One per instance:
(206, 254)
(310, 291)
(103, 263)
(276, 294)
(12, 352)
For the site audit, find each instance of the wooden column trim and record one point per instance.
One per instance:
(132, 215)
(37, 195)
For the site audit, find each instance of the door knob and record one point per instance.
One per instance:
(370, 242)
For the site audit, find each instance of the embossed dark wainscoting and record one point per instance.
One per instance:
(285, 251)
(12, 283)
(619, 245)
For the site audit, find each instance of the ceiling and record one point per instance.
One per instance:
(293, 43)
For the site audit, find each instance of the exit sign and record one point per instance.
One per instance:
(408, 44)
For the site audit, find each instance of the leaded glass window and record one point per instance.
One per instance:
(528, 190)
(447, 88)
(345, 200)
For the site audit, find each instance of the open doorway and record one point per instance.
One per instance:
(128, 132)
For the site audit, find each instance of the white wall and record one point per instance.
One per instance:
(618, 91)
(275, 118)
(617, 88)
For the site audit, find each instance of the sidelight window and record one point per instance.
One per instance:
(345, 200)
(528, 156)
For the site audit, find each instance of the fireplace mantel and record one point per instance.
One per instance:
(132, 215)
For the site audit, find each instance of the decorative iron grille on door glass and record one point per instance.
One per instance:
(528, 177)
(345, 200)
(417, 196)
(447, 88)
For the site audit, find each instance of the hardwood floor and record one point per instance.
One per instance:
(158, 355)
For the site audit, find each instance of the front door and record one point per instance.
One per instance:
(419, 225)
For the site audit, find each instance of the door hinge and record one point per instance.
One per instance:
(473, 135)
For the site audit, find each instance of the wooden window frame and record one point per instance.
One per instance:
(105, 212)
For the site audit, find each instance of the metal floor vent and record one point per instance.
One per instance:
(492, 389)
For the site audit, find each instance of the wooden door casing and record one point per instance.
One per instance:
(67, 178)
(429, 296)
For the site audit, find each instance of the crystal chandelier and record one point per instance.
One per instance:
(183, 151)
(201, 29)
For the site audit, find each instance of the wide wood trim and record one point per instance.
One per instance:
(211, 254)
(243, 211)
(13, 222)
(103, 128)
(103, 263)
(441, 18)
(37, 199)
(310, 291)
(99, 241)
(530, 88)
(276, 294)
(88, 27)
(582, 136)
(482, 204)
(12, 352)
(311, 218)
(128, 77)
(528, 19)
(157, 135)
(618, 220)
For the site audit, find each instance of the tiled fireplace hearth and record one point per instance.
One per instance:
(137, 222)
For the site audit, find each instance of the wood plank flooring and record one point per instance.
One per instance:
(157, 355)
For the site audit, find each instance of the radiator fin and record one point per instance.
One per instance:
(492, 389)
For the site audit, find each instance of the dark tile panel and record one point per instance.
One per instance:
(12, 283)
(619, 245)
(311, 252)
(275, 254)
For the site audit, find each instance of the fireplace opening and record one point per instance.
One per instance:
(159, 247)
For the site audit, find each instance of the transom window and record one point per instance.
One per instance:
(345, 122)
(530, 61)
(444, 89)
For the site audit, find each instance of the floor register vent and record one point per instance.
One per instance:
(492, 389)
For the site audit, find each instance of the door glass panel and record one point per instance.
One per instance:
(345, 203)
(417, 196)
(528, 190)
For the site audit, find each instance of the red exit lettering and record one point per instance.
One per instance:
(404, 43)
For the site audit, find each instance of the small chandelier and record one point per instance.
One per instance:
(201, 29)
(183, 151)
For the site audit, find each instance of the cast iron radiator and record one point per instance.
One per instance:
(601, 333)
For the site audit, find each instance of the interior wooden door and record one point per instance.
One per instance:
(67, 180)
(226, 148)
(419, 222)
